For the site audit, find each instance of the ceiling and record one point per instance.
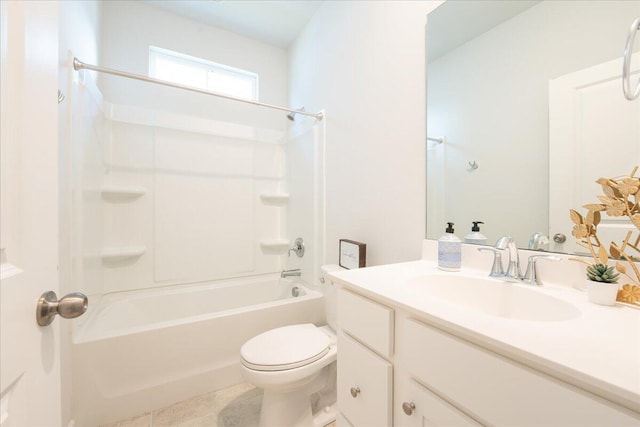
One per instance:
(274, 22)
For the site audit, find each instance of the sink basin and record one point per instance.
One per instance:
(494, 297)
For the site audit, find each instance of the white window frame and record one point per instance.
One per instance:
(204, 65)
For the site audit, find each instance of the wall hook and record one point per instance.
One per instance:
(473, 165)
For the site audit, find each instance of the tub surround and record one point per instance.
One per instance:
(597, 350)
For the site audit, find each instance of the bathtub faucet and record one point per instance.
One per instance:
(287, 273)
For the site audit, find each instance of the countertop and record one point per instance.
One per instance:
(598, 351)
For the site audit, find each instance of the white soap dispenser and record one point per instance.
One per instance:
(475, 237)
(449, 250)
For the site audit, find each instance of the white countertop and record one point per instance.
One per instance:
(598, 351)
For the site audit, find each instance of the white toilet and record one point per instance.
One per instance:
(291, 364)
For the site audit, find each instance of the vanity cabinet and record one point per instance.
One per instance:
(395, 368)
(365, 373)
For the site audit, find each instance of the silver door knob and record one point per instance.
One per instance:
(408, 407)
(69, 306)
(355, 391)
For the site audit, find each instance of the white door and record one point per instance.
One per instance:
(594, 132)
(29, 354)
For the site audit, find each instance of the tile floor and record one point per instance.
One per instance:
(236, 406)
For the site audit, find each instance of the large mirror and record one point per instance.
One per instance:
(521, 120)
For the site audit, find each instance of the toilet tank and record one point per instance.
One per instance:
(329, 291)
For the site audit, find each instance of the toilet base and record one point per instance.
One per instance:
(294, 410)
(286, 409)
(292, 406)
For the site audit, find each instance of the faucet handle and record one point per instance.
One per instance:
(531, 276)
(497, 270)
(297, 248)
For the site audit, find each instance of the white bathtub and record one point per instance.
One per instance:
(138, 351)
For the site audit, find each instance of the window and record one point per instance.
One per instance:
(196, 72)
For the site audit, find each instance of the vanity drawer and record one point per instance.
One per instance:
(371, 323)
(498, 391)
(364, 384)
(420, 407)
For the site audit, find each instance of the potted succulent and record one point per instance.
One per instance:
(602, 284)
(602, 279)
(621, 198)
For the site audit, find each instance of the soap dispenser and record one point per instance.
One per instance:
(475, 237)
(449, 250)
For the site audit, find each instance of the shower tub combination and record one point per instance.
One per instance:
(141, 350)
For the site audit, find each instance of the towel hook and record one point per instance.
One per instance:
(473, 165)
(626, 65)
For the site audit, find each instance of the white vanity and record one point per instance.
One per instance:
(413, 352)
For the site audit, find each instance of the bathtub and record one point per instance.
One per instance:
(138, 351)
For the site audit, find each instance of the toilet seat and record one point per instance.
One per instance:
(285, 348)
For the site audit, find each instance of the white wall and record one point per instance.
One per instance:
(489, 97)
(130, 27)
(364, 62)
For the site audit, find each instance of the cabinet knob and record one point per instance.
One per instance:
(355, 391)
(408, 407)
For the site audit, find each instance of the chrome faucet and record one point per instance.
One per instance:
(496, 269)
(513, 273)
(513, 269)
(537, 240)
(288, 273)
(532, 277)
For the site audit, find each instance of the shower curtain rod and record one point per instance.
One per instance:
(79, 65)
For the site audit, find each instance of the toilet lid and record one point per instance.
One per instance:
(285, 348)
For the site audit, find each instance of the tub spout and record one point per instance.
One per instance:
(287, 273)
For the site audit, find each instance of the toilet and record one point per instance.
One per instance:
(292, 363)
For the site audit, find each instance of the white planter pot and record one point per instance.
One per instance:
(602, 293)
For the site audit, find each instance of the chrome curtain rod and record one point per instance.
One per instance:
(79, 65)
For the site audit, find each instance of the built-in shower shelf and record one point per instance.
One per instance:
(274, 246)
(276, 199)
(121, 194)
(123, 253)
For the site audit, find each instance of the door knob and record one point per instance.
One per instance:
(69, 306)
(355, 391)
(559, 238)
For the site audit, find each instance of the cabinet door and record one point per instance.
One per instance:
(501, 391)
(364, 384)
(422, 408)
